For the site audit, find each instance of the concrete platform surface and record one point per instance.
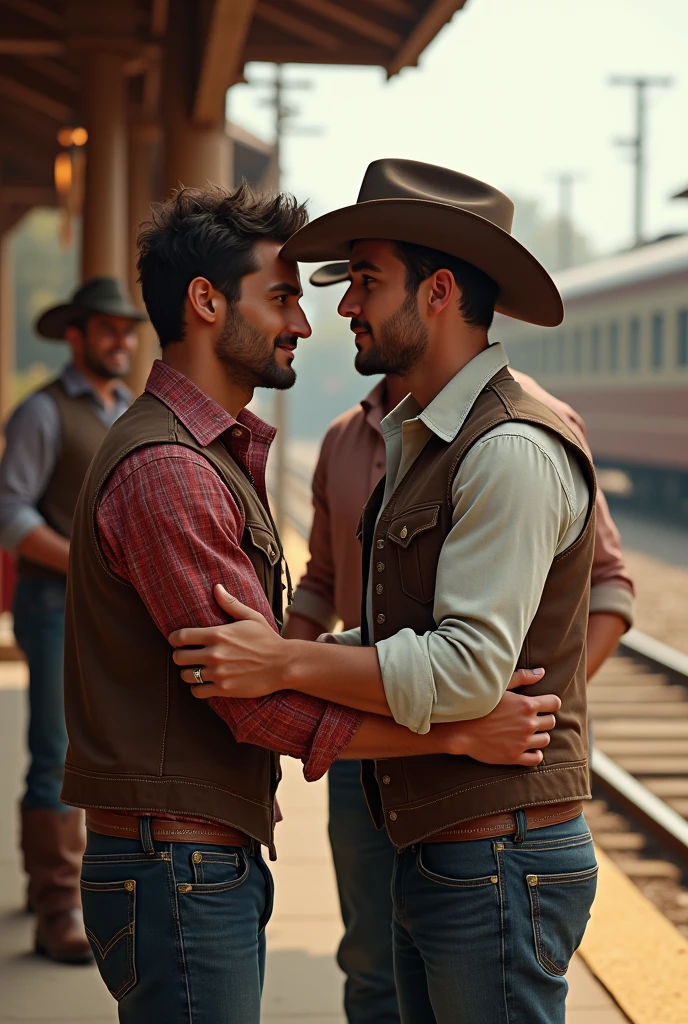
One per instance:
(303, 983)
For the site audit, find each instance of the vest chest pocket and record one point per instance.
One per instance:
(415, 535)
(263, 539)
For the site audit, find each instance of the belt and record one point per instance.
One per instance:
(505, 824)
(165, 830)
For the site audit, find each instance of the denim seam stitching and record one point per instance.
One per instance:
(172, 883)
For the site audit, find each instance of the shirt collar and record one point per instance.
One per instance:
(75, 384)
(201, 415)
(447, 412)
(373, 405)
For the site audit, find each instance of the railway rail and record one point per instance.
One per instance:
(639, 713)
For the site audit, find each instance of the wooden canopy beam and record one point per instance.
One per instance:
(435, 18)
(37, 12)
(11, 89)
(223, 57)
(355, 22)
(296, 26)
(31, 47)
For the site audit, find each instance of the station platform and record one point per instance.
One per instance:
(303, 983)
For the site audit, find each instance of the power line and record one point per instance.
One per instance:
(637, 142)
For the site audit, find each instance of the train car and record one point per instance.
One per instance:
(621, 359)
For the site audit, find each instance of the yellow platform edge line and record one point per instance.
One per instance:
(635, 952)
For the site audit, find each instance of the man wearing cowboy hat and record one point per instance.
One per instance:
(350, 464)
(477, 550)
(50, 441)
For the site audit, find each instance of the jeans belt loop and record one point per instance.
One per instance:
(147, 836)
(521, 825)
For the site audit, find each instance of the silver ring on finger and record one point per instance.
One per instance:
(197, 675)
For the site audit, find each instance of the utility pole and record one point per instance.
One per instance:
(637, 143)
(282, 114)
(565, 180)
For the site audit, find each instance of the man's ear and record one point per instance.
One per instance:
(203, 299)
(441, 292)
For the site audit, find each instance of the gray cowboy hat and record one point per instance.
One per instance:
(408, 201)
(103, 296)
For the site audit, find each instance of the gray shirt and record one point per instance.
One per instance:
(33, 441)
(519, 499)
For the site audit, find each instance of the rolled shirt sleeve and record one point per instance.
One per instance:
(519, 498)
(32, 447)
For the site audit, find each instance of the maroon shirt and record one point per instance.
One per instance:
(170, 527)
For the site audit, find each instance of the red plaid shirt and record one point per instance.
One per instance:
(169, 526)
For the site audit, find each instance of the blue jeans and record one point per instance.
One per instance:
(364, 861)
(484, 930)
(39, 631)
(177, 929)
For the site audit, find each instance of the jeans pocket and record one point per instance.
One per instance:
(454, 883)
(216, 872)
(560, 910)
(110, 920)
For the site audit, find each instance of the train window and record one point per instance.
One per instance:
(614, 346)
(577, 351)
(682, 350)
(657, 349)
(634, 344)
(595, 349)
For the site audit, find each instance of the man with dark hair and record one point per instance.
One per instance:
(50, 440)
(477, 551)
(350, 465)
(176, 893)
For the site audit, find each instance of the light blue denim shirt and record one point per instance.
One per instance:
(32, 448)
(519, 500)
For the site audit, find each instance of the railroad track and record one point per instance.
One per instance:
(639, 712)
(638, 706)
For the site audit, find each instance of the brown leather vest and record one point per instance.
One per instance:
(81, 432)
(418, 796)
(138, 739)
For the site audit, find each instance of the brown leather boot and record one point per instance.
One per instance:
(53, 844)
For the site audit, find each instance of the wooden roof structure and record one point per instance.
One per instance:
(41, 42)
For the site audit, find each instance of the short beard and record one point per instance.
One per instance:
(241, 348)
(399, 345)
(102, 371)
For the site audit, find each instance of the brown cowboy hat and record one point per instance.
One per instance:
(331, 273)
(408, 201)
(101, 296)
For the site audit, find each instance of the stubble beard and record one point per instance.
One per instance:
(241, 348)
(102, 370)
(399, 344)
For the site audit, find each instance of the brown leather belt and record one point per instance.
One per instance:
(165, 830)
(505, 824)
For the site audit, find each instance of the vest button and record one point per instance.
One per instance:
(392, 815)
(380, 566)
(386, 779)
(381, 618)
(380, 542)
(237, 432)
(379, 588)
(403, 533)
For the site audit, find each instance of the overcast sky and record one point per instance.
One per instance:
(511, 91)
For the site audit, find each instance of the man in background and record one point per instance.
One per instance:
(50, 441)
(351, 462)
